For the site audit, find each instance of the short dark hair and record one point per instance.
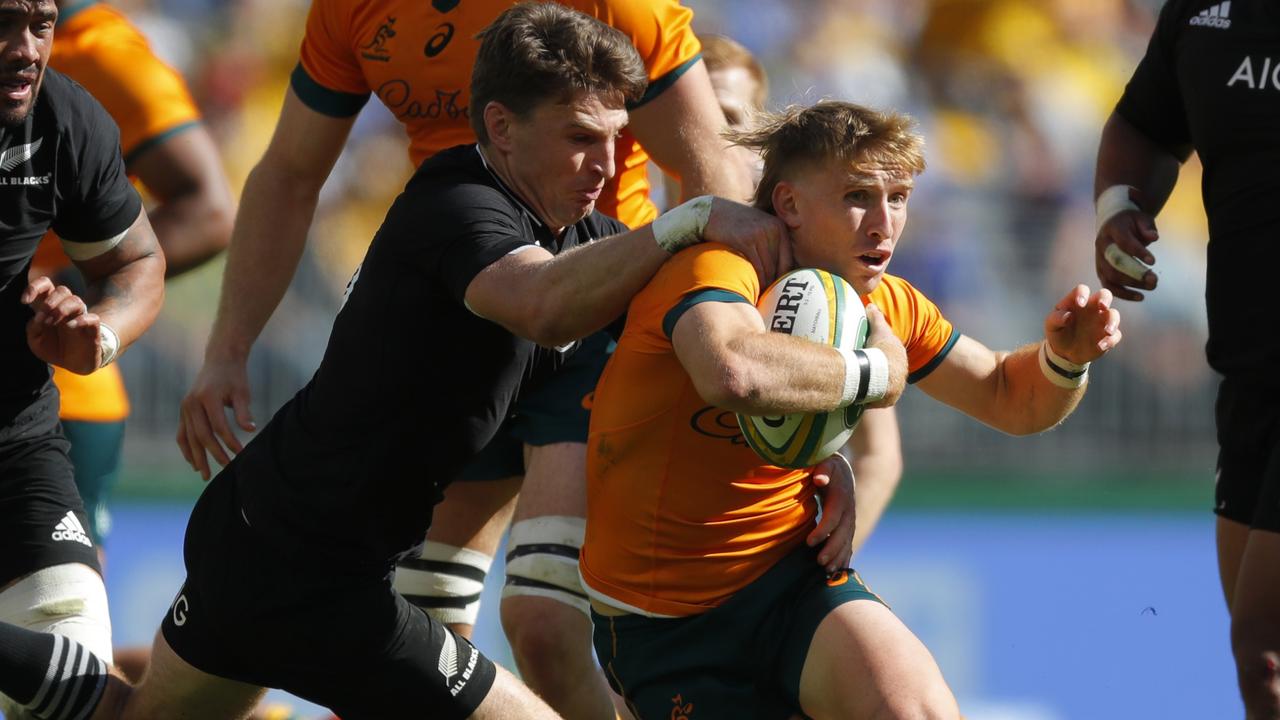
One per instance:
(540, 51)
(830, 130)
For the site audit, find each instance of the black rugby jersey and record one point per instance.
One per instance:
(59, 169)
(412, 384)
(1210, 80)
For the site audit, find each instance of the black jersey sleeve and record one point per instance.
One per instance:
(480, 226)
(1152, 100)
(97, 199)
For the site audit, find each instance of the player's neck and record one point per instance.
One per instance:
(500, 166)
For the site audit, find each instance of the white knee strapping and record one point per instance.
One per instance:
(445, 581)
(68, 600)
(542, 560)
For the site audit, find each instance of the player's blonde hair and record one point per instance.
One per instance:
(856, 136)
(722, 53)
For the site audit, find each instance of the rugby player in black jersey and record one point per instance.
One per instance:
(1210, 83)
(60, 168)
(479, 281)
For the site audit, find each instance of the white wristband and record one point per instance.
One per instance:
(1061, 371)
(110, 344)
(682, 226)
(866, 376)
(1113, 201)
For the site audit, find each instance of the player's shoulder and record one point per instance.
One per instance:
(456, 183)
(67, 105)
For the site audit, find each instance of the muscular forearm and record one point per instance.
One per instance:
(266, 246)
(580, 291)
(129, 299)
(772, 373)
(192, 230)
(1127, 157)
(1026, 402)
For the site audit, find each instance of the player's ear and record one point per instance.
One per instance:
(784, 203)
(498, 123)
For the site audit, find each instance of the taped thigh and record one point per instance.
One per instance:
(445, 581)
(542, 560)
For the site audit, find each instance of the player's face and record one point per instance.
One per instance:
(562, 156)
(735, 91)
(844, 221)
(26, 37)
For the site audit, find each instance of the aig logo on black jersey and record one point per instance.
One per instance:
(1214, 17)
(1256, 76)
(14, 157)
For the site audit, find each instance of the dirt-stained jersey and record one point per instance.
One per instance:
(681, 514)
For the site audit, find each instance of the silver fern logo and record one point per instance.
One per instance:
(449, 657)
(15, 156)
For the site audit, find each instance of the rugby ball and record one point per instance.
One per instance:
(821, 307)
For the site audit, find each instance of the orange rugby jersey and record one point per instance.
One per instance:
(99, 48)
(416, 56)
(681, 514)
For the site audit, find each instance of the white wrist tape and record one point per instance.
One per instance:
(682, 226)
(1061, 371)
(866, 376)
(110, 344)
(1113, 201)
(1124, 262)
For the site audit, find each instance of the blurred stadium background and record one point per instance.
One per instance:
(1069, 575)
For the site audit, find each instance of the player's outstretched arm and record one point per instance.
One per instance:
(125, 292)
(270, 233)
(1133, 180)
(735, 363)
(680, 129)
(555, 299)
(1037, 386)
(193, 220)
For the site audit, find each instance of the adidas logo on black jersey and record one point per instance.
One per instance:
(70, 529)
(1214, 17)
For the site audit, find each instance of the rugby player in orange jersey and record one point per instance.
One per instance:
(875, 450)
(290, 550)
(708, 601)
(416, 57)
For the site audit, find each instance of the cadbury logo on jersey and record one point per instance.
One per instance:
(1268, 74)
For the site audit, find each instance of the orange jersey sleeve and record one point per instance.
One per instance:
(681, 514)
(329, 58)
(661, 32)
(100, 49)
(918, 323)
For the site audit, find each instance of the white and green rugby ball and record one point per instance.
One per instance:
(818, 306)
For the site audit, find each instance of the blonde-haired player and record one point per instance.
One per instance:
(691, 538)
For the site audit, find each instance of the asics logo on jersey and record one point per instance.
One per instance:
(1214, 17)
(15, 156)
(69, 529)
